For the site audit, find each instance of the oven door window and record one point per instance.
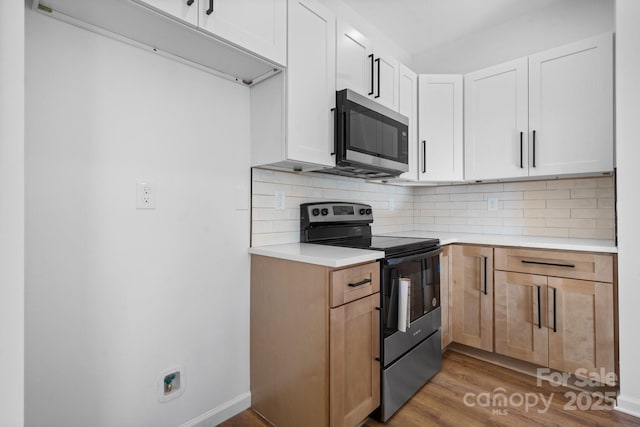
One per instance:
(424, 293)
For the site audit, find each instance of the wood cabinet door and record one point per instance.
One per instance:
(581, 329)
(258, 26)
(473, 296)
(521, 316)
(176, 8)
(354, 361)
(408, 106)
(311, 83)
(440, 128)
(445, 295)
(496, 122)
(571, 108)
(354, 63)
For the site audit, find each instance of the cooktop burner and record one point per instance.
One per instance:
(390, 245)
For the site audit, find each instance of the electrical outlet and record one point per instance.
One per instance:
(145, 195)
(492, 203)
(280, 200)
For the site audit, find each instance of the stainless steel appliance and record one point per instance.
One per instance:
(371, 141)
(410, 358)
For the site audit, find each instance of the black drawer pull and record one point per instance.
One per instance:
(550, 264)
(360, 283)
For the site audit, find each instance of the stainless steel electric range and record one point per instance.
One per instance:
(410, 350)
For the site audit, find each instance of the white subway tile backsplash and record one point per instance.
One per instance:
(582, 207)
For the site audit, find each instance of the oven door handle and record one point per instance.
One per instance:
(400, 260)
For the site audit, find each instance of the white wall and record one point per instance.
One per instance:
(117, 295)
(546, 28)
(12, 213)
(628, 152)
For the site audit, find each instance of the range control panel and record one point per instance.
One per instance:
(325, 212)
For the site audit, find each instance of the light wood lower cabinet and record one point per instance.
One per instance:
(314, 342)
(445, 296)
(354, 374)
(581, 329)
(520, 316)
(564, 323)
(472, 295)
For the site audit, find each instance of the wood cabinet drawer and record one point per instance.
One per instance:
(572, 265)
(354, 283)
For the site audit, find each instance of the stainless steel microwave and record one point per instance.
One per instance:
(371, 141)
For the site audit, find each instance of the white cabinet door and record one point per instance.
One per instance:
(311, 88)
(496, 122)
(387, 70)
(408, 106)
(571, 108)
(259, 26)
(440, 128)
(354, 66)
(185, 10)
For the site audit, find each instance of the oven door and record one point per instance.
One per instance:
(423, 271)
(370, 134)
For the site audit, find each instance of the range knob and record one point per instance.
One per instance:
(315, 212)
(325, 212)
(362, 211)
(368, 211)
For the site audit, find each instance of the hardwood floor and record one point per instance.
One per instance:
(441, 402)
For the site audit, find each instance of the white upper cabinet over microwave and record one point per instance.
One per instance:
(362, 69)
(259, 26)
(545, 115)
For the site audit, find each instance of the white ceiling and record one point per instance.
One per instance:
(419, 25)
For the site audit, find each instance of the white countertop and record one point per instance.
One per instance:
(330, 256)
(562, 243)
(334, 256)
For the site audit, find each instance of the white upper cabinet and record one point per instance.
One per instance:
(185, 10)
(496, 122)
(408, 106)
(354, 58)
(259, 26)
(440, 128)
(291, 117)
(387, 71)
(571, 108)
(361, 68)
(545, 115)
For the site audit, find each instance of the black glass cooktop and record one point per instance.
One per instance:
(390, 245)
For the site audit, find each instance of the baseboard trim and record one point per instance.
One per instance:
(221, 413)
(628, 406)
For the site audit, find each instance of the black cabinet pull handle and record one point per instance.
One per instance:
(378, 61)
(377, 359)
(424, 156)
(484, 258)
(554, 311)
(550, 264)
(534, 148)
(190, 2)
(521, 165)
(539, 310)
(360, 283)
(371, 58)
(210, 10)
